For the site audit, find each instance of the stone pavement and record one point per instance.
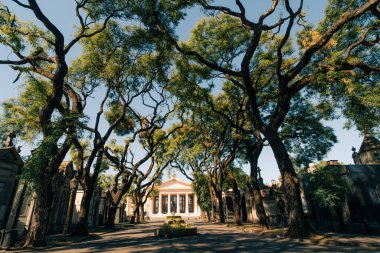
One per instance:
(213, 238)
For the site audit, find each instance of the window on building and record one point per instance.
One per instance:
(376, 156)
(164, 203)
(182, 203)
(155, 204)
(191, 203)
(173, 204)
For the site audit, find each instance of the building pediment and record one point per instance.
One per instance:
(174, 184)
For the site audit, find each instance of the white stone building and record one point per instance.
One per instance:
(180, 195)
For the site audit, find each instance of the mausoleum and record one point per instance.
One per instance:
(173, 196)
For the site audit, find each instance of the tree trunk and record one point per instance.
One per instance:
(236, 199)
(253, 153)
(116, 198)
(70, 209)
(142, 217)
(110, 223)
(213, 204)
(259, 206)
(115, 202)
(208, 213)
(237, 207)
(136, 211)
(298, 226)
(82, 225)
(36, 236)
(137, 214)
(222, 218)
(340, 216)
(38, 229)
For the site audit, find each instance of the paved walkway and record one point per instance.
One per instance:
(211, 238)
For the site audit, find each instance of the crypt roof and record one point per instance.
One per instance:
(367, 175)
(369, 143)
(10, 154)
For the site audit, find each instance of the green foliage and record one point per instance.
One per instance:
(23, 36)
(328, 185)
(240, 176)
(166, 12)
(220, 38)
(75, 156)
(354, 92)
(305, 137)
(104, 181)
(175, 226)
(200, 186)
(22, 113)
(126, 125)
(38, 166)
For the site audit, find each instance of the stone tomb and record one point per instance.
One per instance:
(10, 167)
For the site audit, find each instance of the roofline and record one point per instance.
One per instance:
(175, 179)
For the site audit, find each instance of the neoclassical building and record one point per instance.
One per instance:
(173, 196)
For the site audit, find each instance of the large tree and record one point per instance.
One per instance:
(140, 168)
(214, 44)
(39, 52)
(130, 67)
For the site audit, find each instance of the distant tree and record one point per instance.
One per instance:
(199, 185)
(329, 186)
(140, 174)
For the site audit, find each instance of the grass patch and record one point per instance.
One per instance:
(275, 232)
(175, 227)
(256, 229)
(252, 229)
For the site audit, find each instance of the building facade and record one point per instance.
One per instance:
(93, 215)
(360, 212)
(60, 191)
(171, 197)
(10, 168)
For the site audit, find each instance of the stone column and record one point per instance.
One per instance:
(169, 211)
(153, 198)
(70, 208)
(159, 203)
(178, 210)
(195, 203)
(187, 204)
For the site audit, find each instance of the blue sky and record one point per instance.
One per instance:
(62, 13)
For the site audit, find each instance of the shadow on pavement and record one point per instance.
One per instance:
(212, 238)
